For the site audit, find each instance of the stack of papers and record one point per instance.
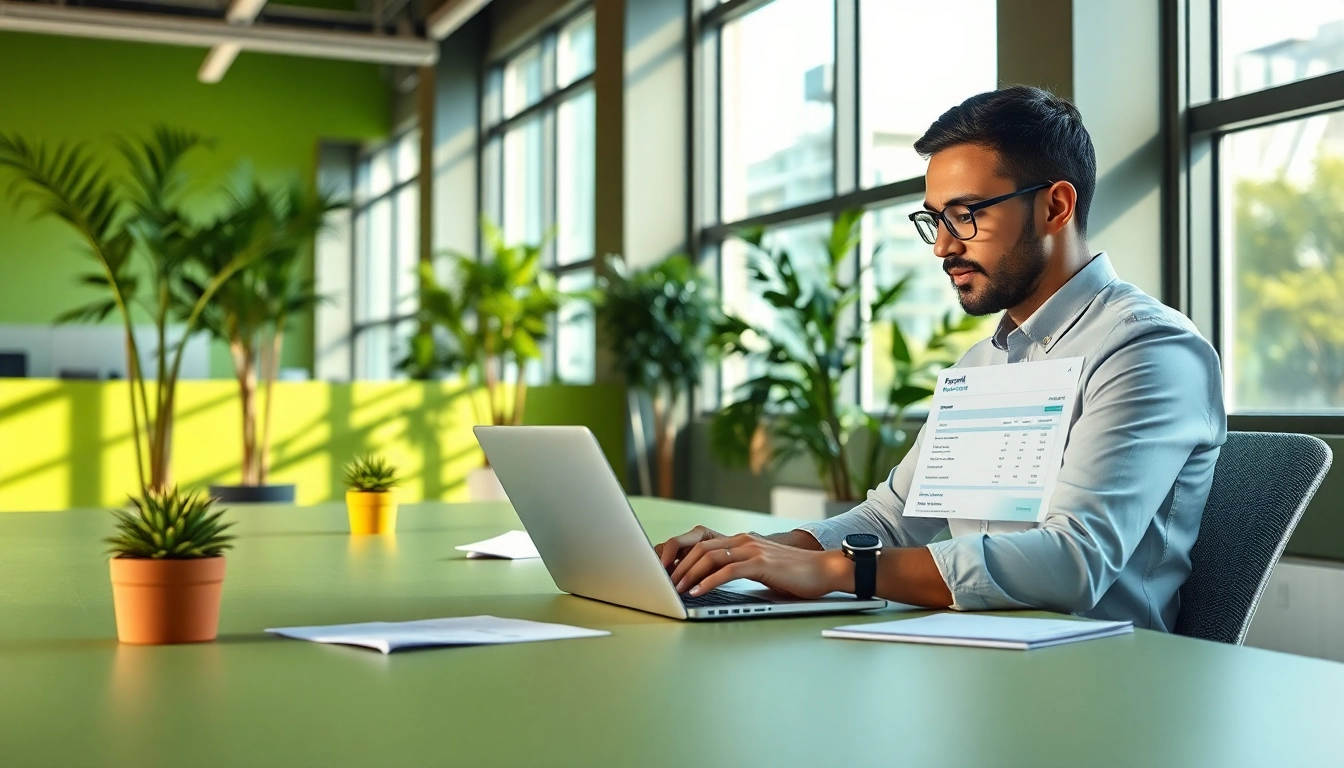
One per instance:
(466, 630)
(514, 545)
(983, 631)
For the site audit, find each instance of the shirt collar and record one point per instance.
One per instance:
(1059, 312)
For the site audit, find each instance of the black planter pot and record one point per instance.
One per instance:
(254, 494)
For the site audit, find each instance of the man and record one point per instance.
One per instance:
(1010, 178)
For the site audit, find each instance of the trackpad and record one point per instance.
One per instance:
(757, 589)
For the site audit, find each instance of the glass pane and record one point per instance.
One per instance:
(360, 288)
(900, 95)
(741, 296)
(899, 252)
(408, 250)
(1266, 44)
(380, 171)
(778, 114)
(576, 165)
(577, 52)
(1284, 266)
(523, 178)
(408, 156)
(373, 353)
(522, 81)
(576, 334)
(492, 177)
(378, 266)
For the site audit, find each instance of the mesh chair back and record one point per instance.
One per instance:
(1261, 485)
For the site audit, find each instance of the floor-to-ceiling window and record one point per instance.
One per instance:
(386, 244)
(538, 172)
(1261, 261)
(811, 107)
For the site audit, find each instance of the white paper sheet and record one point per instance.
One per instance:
(994, 440)
(1013, 632)
(464, 630)
(514, 545)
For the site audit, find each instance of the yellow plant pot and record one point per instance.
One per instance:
(371, 511)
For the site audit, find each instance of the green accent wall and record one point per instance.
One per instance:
(270, 112)
(67, 444)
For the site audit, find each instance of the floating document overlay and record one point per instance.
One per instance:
(994, 441)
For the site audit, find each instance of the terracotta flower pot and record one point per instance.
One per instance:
(371, 511)
(167, 601)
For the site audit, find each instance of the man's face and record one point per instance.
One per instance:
(1002, 265)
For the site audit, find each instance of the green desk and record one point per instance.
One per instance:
(656, 692)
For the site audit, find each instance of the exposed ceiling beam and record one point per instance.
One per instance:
(207, 33)
(220, 58)
(450, 15)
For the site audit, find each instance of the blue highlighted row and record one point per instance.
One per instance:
(1000, 413)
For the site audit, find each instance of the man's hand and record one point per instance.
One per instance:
(713, 560)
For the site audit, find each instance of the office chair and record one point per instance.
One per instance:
(1261, 484)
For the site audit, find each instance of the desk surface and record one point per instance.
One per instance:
(656, 692)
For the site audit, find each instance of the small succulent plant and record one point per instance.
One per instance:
(169, 525)
(370, 473)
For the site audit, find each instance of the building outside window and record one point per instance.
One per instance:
(538, 174)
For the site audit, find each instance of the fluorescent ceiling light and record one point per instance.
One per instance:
(244, 11)
(217, 62)
(207, 33)
(451, 15)
(220, 58)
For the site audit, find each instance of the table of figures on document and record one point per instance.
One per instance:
(993, 442)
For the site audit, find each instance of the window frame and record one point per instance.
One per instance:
(494, 128)
(362, 208)
(707, 230)
(1195, 119)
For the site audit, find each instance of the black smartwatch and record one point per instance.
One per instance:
(863, 549)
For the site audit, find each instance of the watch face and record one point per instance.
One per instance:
(862, 541)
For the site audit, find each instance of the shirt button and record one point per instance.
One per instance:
(1045, 342)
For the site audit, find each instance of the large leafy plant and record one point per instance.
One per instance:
(170, 525)
(662, 325)
(252, 310)
(133, 227)
(490, 321)
(805, 356)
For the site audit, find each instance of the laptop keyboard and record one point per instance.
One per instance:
(720, 597)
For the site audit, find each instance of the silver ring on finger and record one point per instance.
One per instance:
(729, 553)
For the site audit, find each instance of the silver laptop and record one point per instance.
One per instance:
(581, 522)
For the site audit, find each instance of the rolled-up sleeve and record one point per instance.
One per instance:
(881, 513)
(1145, 409)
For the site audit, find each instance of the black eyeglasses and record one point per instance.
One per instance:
(960, 219)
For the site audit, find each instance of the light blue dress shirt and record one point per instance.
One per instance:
(1147, 426)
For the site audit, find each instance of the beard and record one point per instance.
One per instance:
(1017, 276)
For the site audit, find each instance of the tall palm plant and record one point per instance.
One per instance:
(662, 325)
(495, 316)
(251, 310)
(134, 228)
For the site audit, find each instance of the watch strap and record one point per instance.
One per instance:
(865, 574)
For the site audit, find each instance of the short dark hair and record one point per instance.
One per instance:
(1038, 136)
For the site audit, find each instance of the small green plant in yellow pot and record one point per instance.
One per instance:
(371, 501)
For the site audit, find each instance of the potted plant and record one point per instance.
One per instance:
(135, 230)
(662, 325)
(805, 355)
(251, 311)
(490, 323)
(168, 568)
(371, 502)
